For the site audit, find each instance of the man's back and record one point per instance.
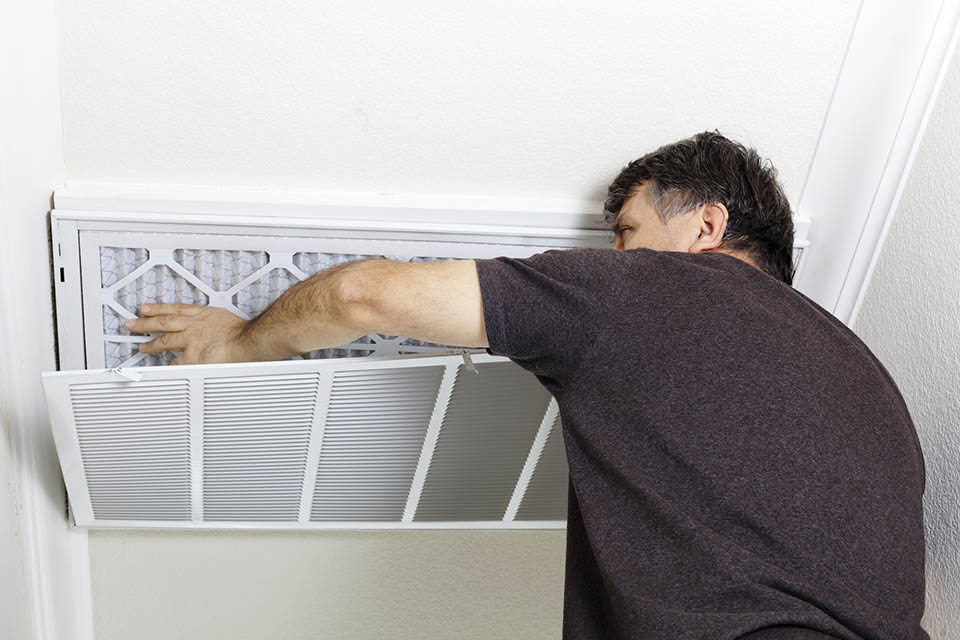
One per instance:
(739, 460)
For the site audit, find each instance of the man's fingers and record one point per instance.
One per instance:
(166, 342)
(166, 324)
(171, 308)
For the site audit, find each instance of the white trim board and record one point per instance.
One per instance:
(371, 221)
(266, 210)
(304, 205)
(876, 118)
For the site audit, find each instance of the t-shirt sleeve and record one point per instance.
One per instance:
(540, 311)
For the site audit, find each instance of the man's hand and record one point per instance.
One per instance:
(202, 335)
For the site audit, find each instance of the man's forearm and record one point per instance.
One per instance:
(312, 314)
(438, 302)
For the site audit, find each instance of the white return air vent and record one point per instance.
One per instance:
(385, 432)
(108, 264)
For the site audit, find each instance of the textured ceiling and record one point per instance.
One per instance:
(510, 99)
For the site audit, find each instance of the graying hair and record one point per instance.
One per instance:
(671, 203)
(708, 168)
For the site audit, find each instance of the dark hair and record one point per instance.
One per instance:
(708, 168)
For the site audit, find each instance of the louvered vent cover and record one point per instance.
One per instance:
(399, 442)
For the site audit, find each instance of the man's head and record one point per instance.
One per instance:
(704, 193)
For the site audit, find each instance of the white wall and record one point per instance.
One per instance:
(910, 318)
(44, 584)
(14, 611)
(502, 98)
(350, 585)
(14, 608)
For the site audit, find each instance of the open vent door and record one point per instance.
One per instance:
(405, 441)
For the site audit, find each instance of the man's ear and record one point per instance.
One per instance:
(710, 222)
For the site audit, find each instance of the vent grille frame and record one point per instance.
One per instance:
(83, 298)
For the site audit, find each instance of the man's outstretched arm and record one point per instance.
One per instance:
(437, 302)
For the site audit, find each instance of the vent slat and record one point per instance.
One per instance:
(115, 400)
(121, 422)
(121, 413)
(133, 435)
(256, 438)
(249, 410)
(357, 393)
(249, 488)
(222, 427)
(141, 499)
(107, 490)
(144, 456)
(259, 399)
(121, 389)
(159, 474)
(234, 392)
(258, 383)
(254, 446)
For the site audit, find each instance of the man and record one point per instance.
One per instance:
(741, 466)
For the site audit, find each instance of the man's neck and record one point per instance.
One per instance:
(740, 255)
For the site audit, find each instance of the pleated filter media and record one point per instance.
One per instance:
(245, 282)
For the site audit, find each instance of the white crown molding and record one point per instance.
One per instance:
(226, 208)
(346, 219)
(880, 106)
(305, 204)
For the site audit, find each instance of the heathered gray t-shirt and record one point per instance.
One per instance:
(740, 462)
